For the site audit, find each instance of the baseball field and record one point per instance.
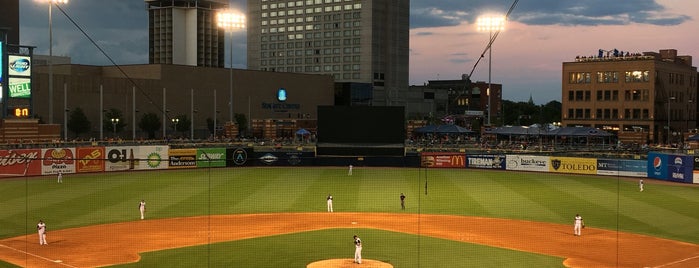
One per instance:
(276, 217)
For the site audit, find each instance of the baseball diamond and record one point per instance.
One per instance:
(95, 222)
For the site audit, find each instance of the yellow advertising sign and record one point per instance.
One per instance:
(573, 165)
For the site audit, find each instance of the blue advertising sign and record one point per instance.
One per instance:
(622, 167)
(485, 161)
(670, 167)
(657, 166)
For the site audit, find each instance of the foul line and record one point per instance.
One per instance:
(676, 262)
(37, 256)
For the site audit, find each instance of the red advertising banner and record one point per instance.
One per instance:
(443, 160)
(90, 159)
(15, 163)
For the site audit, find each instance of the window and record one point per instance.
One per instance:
(637, 76)
(607, 77)
(579, 78)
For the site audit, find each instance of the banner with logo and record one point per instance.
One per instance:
(211, 157)
(284, 158)
(120, 158)
(527, 163)
(17, 163)
(19, 65)
(485, 161)
(622, 167)
(677, 168)
(442, 160)
(573, 165)
(20, 87)
(89, 159)
(151, 157)
(182, 158)
(239, 156)
(55, 160)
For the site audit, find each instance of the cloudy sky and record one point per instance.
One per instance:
(444, 41)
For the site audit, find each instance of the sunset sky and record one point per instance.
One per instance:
(444, 43)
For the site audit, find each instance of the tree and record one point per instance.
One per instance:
(150, 123)
(78, 122)
(113, 114)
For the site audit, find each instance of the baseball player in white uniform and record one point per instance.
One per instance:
(640, 185)
(41, 228)
(330, 203)
(142, 208)
(349, 173)
(579, 224)
(357, 250)
(60, 177)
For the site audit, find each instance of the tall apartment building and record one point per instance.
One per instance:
(651, 96)
(358, 42)
(185, 32)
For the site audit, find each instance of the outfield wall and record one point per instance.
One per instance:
(51, 161)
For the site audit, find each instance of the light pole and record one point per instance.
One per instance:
(115, 122)
(490, 23)
(230, 20)
(688, 115)
(51, 3)
(175, 121)
(668, 120)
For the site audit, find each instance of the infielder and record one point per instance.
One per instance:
(60, 177)
(402, 201)
(330, 203)
(41, 228)
(357, 249)
(579, 224)
(142, 208)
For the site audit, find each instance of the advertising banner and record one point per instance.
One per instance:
(284, 158)
(182, 158)
(622, 167)
(443, 160)
(657, 165)
(485, 161)
(239, 156)
(120, 158)
(151, 157)
(573, 165)
(19, 65)
(15, 163)
(90, 159)
(670, 167)
(211, 157)
(20, 87)
(527, 162)
(56, 160)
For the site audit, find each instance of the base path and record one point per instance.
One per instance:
(86, 246)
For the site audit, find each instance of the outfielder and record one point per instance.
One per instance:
(349, 172)
(41, 228)
(579, 224)
(142, 208)
(357, 249)
(330, 203)
(60, 177)
(640, 185)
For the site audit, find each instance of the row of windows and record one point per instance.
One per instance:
(609, 95)
(609, 77)
(311, 52)
(323, 68)
(283, 4)
(608, 114)
(300, 11)
(311, 44)
(300, 69)
(314, 60)
(328, 34)
(674, 78)
(317, 26)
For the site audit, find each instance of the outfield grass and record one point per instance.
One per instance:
(663, 210)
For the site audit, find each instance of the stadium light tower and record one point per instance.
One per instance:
(51, 3)
(230, 20)
(490, 24)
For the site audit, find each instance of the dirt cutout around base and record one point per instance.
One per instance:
(118, 243)
(348, 263)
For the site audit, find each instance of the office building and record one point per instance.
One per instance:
(185, 32)
(363, 44)
(648, 97)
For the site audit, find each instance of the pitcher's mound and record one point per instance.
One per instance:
(347, 263)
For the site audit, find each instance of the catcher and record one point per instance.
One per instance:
(579, 224)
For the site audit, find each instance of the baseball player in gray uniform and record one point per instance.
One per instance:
(330, 203)
(578, 225)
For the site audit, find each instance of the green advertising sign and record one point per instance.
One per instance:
(211, 157)
(20, 87)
